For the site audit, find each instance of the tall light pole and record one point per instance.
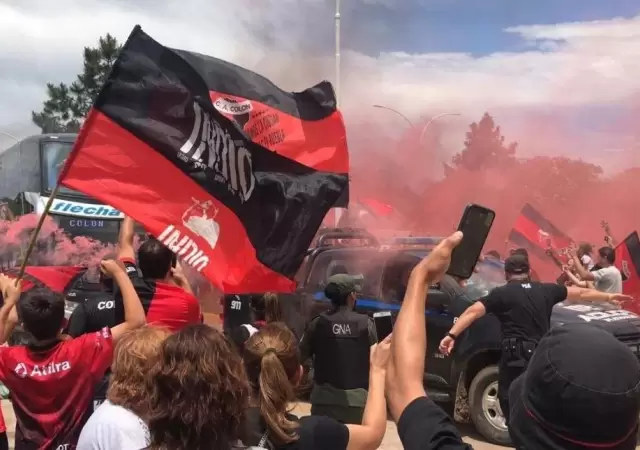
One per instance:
(397, 112)
(338, 211)
(338, 52)
(10, 135)
(434, 118)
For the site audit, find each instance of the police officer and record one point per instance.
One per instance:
(97, 311)
(524, 309)
(339, 342)
(237, 312)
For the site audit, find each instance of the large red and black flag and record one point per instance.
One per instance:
(59, 279)
(156, 147)
(628, 262)
(303, 126)
(535, 233)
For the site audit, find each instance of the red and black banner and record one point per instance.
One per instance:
(535, 233)
(157, 148)
(59, 279)
(628, 262)
(303, 126)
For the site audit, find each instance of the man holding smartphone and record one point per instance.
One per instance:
(339, 342)
(524, 309)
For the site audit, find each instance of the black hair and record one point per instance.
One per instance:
(155, 260)
(608, 254)
(520, 251)
(336, 295)
(41, 312)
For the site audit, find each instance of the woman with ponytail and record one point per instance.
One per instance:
(272, 363)
(265, 308)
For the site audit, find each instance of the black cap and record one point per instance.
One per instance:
(516, 264)
(581, 390)
(341, 285)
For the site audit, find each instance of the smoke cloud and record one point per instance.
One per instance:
(568, 93)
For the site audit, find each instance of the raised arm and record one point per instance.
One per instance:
(11, 290)
(578, 294)
(608, 236)
(369, 435)
(470, 315)
(405, 374)
(134, 316)
(125, 240)
(575, 280)
(583, 273)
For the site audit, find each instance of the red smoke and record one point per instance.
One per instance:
(53, 246)
(573, 194)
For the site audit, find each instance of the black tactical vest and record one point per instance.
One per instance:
(341, 348)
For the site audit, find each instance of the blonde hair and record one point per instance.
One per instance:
(133, 357)
(272, 361)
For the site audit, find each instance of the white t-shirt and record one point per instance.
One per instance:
(587, 262)
(113, 427)
(608, 279)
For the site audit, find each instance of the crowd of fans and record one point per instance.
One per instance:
(146, 373)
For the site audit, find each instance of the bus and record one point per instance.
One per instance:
(28, 174)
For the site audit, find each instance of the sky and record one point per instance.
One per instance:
(561, 77)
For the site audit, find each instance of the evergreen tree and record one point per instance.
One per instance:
(68, 105)
(484, 147)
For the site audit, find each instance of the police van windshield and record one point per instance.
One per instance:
(489, 275)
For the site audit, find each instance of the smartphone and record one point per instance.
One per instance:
(475, 224)
(384, 324)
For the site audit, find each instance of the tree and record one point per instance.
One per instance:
(484, 147)
(68, 105)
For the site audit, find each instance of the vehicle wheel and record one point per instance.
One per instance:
(485, 407)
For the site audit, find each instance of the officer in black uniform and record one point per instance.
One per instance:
(97, 311)
(237, 312)
(339, 342)
(524, 309)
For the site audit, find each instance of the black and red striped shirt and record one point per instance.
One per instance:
(164, 304)
(52, 386)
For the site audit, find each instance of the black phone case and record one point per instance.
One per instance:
(468, 271)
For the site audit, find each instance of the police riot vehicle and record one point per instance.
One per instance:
(467, 380)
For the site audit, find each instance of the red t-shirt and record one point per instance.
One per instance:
(51, 387)
(164, 304)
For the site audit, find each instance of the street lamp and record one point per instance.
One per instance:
(424, 129)
(337, 17)
(10, 135)
(397, 112)
(338, 211)
(434, 118)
